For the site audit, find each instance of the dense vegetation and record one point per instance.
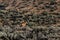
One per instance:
(32, 20)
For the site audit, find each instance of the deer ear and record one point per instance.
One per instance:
(23, 24)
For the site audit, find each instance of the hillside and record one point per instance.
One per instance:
(29, 19)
